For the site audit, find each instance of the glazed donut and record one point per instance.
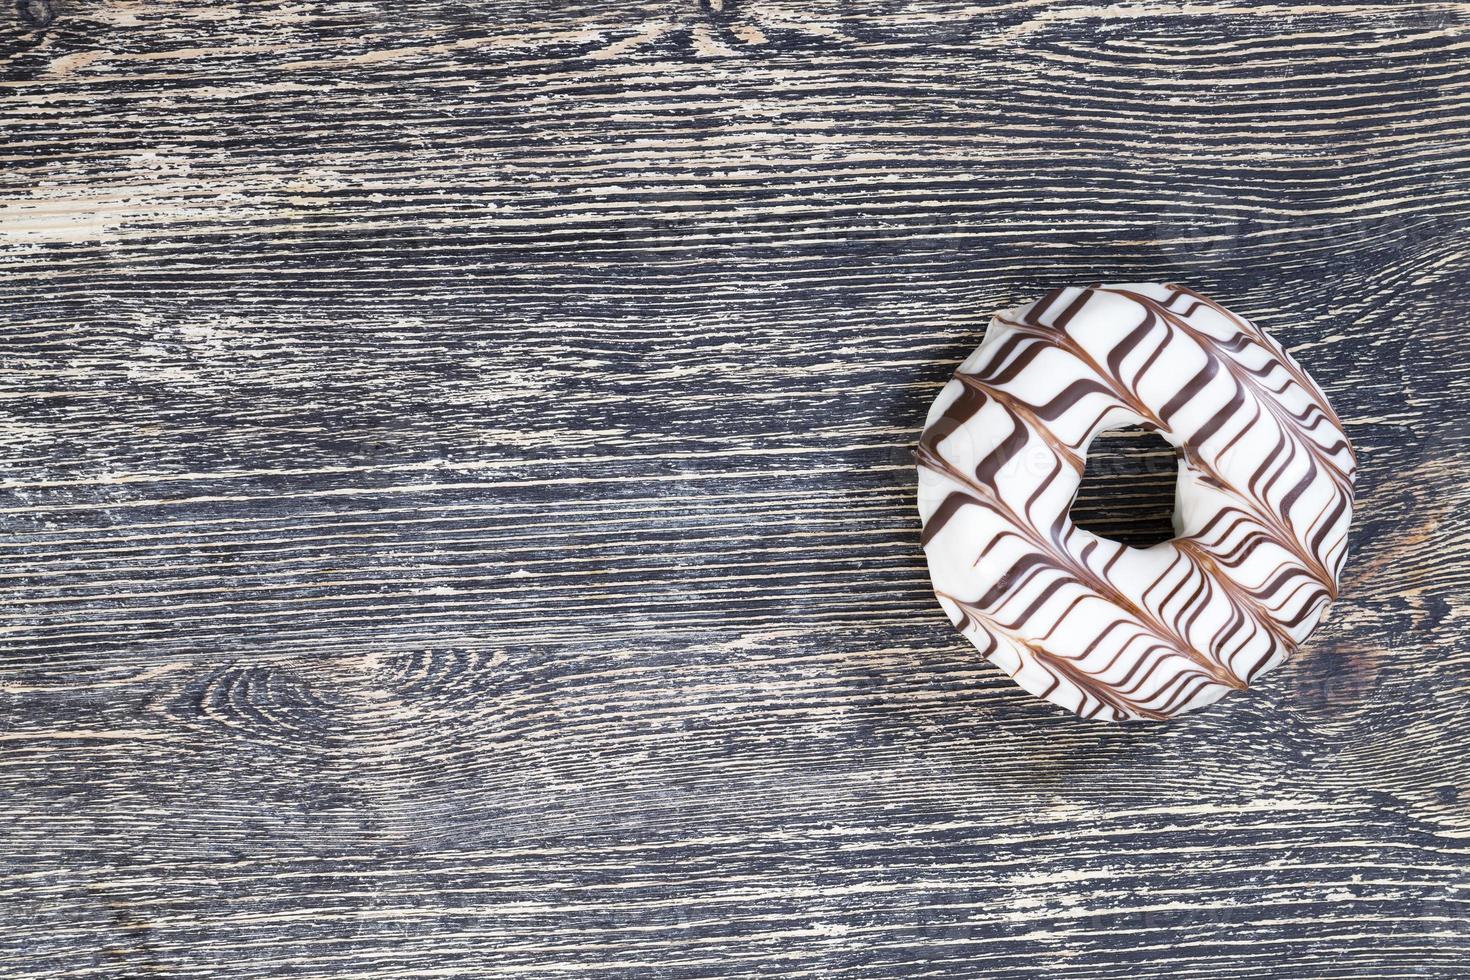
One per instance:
(1264, 500)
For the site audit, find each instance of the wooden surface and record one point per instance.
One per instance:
(458, 517)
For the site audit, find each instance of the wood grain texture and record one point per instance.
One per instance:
(458, 516)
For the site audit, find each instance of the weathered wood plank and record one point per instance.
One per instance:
(458, 520)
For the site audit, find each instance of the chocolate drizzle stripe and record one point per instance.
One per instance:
(1285, 359)
(1032, 416)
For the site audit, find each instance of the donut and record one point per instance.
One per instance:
(1264, 499)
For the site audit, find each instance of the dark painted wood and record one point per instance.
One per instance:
(458, 519)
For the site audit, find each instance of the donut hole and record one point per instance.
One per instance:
(1127, 490)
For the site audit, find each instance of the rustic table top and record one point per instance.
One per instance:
(458, 516)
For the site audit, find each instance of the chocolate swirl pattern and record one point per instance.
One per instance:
(1264, 501)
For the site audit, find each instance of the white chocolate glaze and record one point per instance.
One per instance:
(1264, 501)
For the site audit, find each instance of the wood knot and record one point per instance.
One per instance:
(719, 11)
(260, 704)
(36, 13)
